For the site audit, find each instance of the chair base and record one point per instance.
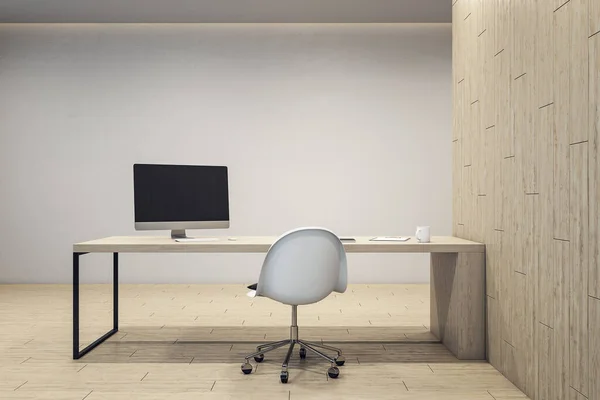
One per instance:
(261, 350)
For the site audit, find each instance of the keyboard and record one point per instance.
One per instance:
(192, 240)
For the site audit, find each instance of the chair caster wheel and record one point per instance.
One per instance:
(302, 353)
(259, 358)
(246, 368)
(284, 376)
(340, 360)
(333, 372)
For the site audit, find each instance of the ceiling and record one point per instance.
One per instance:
(225, 11)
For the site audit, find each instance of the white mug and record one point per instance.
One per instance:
(423, 235)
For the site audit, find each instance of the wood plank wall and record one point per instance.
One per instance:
(526, 170)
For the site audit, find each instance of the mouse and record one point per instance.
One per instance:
(231, 238)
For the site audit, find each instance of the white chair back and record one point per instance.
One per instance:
(304, 266)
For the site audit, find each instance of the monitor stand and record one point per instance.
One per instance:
(178, 234)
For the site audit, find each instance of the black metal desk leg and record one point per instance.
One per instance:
(76, 305)
(116, 291)
(77, 354)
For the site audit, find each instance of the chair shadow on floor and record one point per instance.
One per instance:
(185, 344)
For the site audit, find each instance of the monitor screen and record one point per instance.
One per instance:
(167, 194)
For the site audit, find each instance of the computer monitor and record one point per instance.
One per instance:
(180, 197)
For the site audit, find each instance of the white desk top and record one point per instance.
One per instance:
(261, 244)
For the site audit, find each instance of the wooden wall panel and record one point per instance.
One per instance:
(503, 25)
(562, 53)
(484, 235)
(456, 51)
(457, 94)
(510, 199)
(518, 18)
(494, 350)
(504, 114)
(509, 363)
(578, 258)
(489, 25)
(466, 201)
(507, 298)
(530, 260)
(493, 264)
(466, 129)
(522, 17)
(544, 54)
(476, 134)
(594, 308)
(519, 334)
(561, 318)
(472, 66)
(489, 97)
(479, 20)
(594, 21)
(594, 165)
(518, 230)
(498, 144)
(486, 175)
(544, 128)
(546, 386)
(528, 126)
(487, 100)
(456, 184)
(524, 132)
(578, 44)
(547, 284)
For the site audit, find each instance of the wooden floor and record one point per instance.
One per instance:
(188, 342)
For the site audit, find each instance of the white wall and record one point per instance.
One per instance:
(343, 126)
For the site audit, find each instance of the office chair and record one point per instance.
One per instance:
(302, 267)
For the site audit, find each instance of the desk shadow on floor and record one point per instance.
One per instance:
(189, 345)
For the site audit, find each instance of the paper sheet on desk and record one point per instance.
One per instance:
(192, 240)
(390, 239)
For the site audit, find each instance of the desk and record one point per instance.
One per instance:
(457, 313)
